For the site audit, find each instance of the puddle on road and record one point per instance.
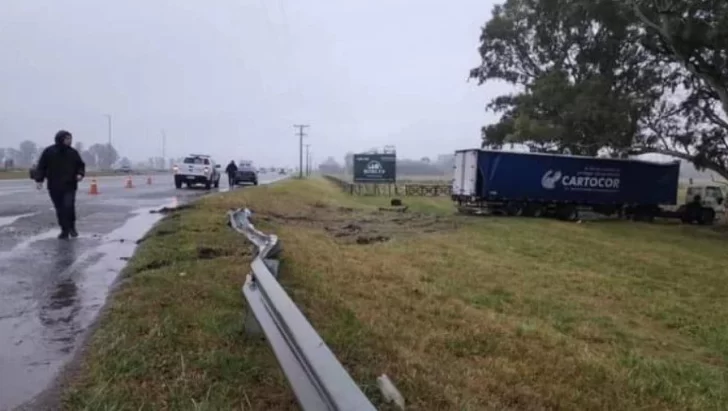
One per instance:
(7, 220)
(18, 191)
(25, 244)
(50, 310)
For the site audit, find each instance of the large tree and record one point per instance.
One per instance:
(691, 37)
(28, 151)
(104, 155)
(609, 75)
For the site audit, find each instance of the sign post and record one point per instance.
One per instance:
(375, 168)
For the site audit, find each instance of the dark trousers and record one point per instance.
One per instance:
(65, 204)
(231, 180)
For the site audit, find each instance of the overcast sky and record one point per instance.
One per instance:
(231, 77)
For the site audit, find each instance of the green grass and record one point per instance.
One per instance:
(462, 313)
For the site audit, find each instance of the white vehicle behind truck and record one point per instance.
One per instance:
(197, 169)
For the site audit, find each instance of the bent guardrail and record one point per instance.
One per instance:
(317, 378)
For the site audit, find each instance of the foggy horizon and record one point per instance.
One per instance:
(230, 80)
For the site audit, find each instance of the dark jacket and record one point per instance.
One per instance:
(231, 169)
(60, 165)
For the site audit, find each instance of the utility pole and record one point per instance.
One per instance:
(301, 134)
(308, 168)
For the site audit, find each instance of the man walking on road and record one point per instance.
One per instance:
(61, 165)
(231, 170)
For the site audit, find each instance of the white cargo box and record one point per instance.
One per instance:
(465, 172)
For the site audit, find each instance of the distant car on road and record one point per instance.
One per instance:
(246, 174)
(282, 171)
(197, 169)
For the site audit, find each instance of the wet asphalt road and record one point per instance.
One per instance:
(51, 290)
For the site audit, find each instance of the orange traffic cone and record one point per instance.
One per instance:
(94, 188)
(129, 183)
(149, 180)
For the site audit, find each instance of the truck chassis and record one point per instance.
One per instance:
(689, 213)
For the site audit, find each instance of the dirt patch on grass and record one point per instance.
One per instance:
(208, 253)
(362, 226)
(153, 265)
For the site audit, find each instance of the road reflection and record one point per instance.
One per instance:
(60, 305)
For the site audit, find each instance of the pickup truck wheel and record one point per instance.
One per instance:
(217, 183)
(533, 210)
(707, 217)
(177, 184)
(208, 184)
(514, 209)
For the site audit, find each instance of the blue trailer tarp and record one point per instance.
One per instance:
(576, 179)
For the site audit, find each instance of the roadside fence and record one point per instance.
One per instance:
(409, 189)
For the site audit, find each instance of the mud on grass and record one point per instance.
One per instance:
(361, 225)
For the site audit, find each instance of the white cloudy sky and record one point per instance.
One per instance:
(231, 77)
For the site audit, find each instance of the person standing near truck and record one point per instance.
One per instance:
(231, 170)
(61, 165)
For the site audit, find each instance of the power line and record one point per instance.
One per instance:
(301, 134)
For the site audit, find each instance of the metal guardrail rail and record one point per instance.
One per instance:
(317, 378)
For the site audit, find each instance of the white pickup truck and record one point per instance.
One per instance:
(197, 169)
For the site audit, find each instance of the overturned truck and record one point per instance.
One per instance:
(562, 186)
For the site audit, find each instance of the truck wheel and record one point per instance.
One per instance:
(217, 183)
(177, 183)
(707, 217)
(568, 213)
(514, 209)
(208, 184)
(533, 210)
(690, 214)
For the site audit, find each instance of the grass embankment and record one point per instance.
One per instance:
(463, 313)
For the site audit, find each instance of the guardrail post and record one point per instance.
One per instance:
(251, 324)
(273, 265)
